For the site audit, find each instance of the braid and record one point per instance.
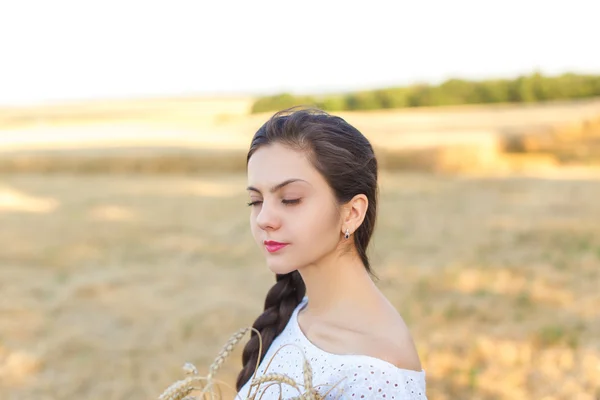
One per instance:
(280, 303)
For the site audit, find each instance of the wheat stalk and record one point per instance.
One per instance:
(274, 377)
(179, 389)
(226, 351)
(182, 389)
(307, 374)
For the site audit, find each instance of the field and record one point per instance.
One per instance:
(193, 135)
(110, 283)
(122, 257)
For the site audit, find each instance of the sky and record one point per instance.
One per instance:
(54, 51)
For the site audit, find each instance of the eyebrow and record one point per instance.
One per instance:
(278, 186)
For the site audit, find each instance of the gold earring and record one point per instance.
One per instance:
(347, 234)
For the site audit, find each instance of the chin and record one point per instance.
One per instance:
(279, 267)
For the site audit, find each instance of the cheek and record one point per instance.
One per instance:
(319, 225)
(253, 227)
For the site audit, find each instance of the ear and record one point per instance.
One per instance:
(353, 213)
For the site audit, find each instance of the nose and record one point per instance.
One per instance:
(267, 218)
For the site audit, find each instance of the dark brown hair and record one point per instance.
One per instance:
(345, 158)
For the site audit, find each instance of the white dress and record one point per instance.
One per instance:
(356, 376)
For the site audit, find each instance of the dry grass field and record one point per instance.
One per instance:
(195, 134)
(121, 257)
(110, 283)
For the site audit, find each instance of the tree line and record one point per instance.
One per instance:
(523, 89)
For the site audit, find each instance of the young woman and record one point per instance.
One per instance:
(312, 186)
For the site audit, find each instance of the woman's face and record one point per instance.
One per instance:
(294, 218)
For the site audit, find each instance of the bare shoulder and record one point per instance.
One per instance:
(382, 334)
(390, 340)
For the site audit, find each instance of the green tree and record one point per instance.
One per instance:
(281, 102)
(393, 97)
(526, 88)
(333, 103)
(363, 101)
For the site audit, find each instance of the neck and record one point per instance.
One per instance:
(338, 282)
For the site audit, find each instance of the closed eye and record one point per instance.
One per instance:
(294, 201)
(286, 202)
(289, 202)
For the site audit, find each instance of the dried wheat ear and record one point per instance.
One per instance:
(208, 387)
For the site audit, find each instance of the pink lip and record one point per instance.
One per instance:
(272, 246)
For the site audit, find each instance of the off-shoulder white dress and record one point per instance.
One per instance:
(354, 376)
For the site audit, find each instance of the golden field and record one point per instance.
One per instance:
(196, 134)
(111, 279)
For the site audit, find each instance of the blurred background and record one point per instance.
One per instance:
(125, 249)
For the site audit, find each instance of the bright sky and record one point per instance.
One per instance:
(69, 50)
